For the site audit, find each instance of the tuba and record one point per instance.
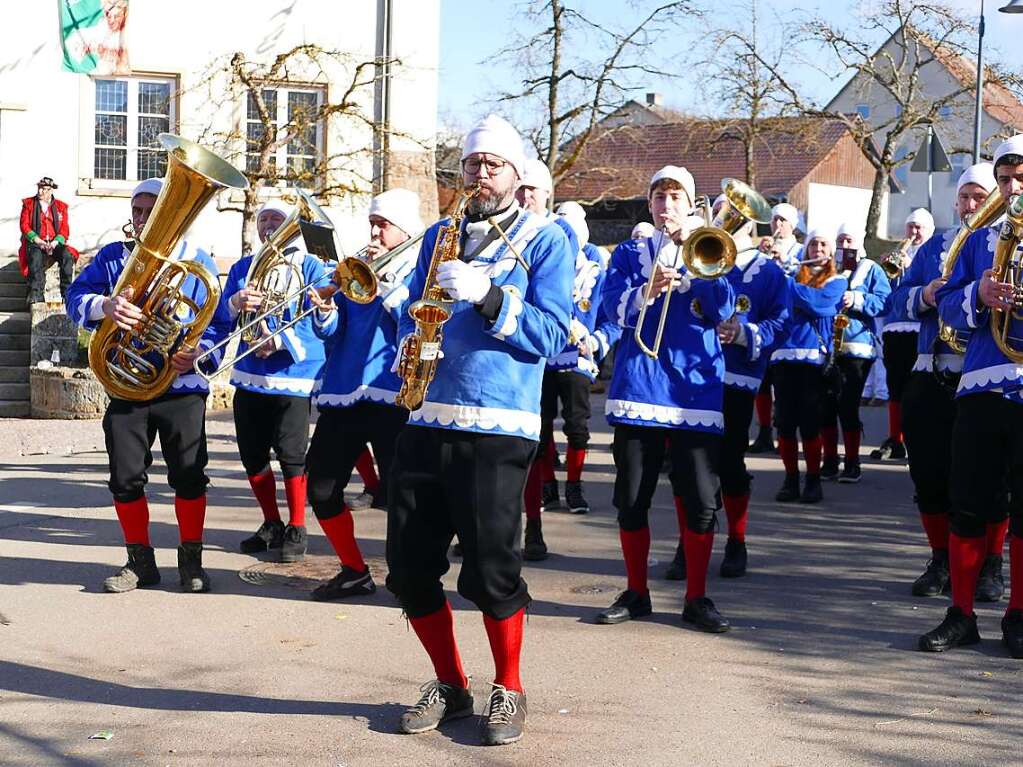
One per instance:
(359, 279)
(420, 353)
(1008, 267)
(135, 364)
(992, 208)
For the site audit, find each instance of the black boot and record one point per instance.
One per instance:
(990, 583)
(574, 498)
(812, 490)
(935, 580)
(193, 578)
(139, 571)
(270, 535)
(829, 467)
(702, 613)
(676, 570)
(535, 549)
(1012, 632)
(549, 498)
(764, 443)
(734, 563)
(789, 489)
(295, 541)
(957, 630)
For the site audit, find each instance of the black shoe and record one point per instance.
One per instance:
(935, 579)
(990, 583)
(506, 717)
(889, 449)
(549, 499)
(574, 498)
(347, 583)
(789, 489)
(734, 563)
(456, 549)
(812, 490)
(139, 571)
(1012, 632)
(957, 630)
(439, 703)
(829, 468)
(851, 474)
(270, 535)
(764, 443)
(295, 541)
(629, 605)
(194, 579)
(898, 451)
(702, 613)
(535, 549)
(676, 570)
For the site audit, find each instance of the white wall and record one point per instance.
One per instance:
(828, 206)
(52, 135)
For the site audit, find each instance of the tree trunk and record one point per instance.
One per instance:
(876, 197)
(249, 209)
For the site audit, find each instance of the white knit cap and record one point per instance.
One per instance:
(982, 174)
(675, 173)
(274, 206)
(577, 222)
(149, 186)
(495, 135)
(826, 235)
(923, 217)
(400, 207)
(536, 174)
(786, 211)
(642, 230)
(1013, 145)
(854, 232)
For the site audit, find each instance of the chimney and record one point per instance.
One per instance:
(654, 99)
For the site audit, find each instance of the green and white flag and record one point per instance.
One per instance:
(94, 36)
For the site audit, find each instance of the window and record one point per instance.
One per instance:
(129, 113)
(945, 111)
(294, 110)
(863, 110)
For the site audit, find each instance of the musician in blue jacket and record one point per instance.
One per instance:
(863, 302)
(177, 416)
(460, 466)
(669, 395)
(987, 452)
(273, 385)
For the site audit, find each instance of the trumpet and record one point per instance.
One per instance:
(893, 262)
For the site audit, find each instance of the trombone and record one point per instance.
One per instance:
(359, 279)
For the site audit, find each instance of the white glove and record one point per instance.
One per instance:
(594, 345)
(397, 357)
(462, 282)
(684, 283)
(577, 330)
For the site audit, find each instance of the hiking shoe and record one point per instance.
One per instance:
(549, 499)
(574, 498)
(506, 717)
(851, 474)
(363, 500)
(438, 704)
(990, 583)
(347, 583)
(789, 491)
(935, 579)
(194, 579)
(734, 563)
(295, 541)
(829, 468)
(1012, 632)
(138, 572)
(270, 535)
(956, 630)
(812, 490)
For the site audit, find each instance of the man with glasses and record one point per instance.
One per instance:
(460, 466)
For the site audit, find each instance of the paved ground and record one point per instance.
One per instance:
(819, 670)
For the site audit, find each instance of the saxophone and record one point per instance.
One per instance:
(838, 332)
(421, 351)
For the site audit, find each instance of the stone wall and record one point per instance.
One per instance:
(66, 393)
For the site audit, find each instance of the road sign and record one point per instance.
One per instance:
(931, 157)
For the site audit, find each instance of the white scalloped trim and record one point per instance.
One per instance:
(363, 392)
(675, 416)
(742, 382)
(912, 302)
(302, 386)
(968, 304)
(755, 332)
(628, 296)
(191, 382)
(487, 418)
(511, 317)
(901, 327)
(755, 267)
(585, 279)
(802, 355)
(602, 340)
(992, 238)
(946, 363)
(858, 349)
(985, 377)
(946, 243)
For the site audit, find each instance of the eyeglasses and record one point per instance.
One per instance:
(492, 164)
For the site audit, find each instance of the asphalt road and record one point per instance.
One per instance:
(819, 669)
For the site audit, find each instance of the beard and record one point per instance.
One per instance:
(496, 200)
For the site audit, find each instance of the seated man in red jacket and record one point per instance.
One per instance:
(44, 234)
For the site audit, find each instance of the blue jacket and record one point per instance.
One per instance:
(896, 318)
(871, 288)
(811, 321)
(760, 287)
(294, 368)
(928, 265)
(683, 388)
(985, 368)
(490, 376)
(97, 281)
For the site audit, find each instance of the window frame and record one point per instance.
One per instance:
(282, 156)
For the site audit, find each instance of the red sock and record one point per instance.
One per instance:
(680, 513)
(364, 465)
(812, 453)
(436, 632)
(574, 460)
(547, 462)
(996, 537)
(191, 514)
(966, 555)
(936, 527)
(506, 645)
(533, 496)
(895, 420)
(294, 488)
(852, 446)
(763, 405)
(340, 531)
(1015, 572)
(736, 508)
(264, 487)
(698, 547)
(134, 519)
(789, 451)
(829, 441)
(636, 549)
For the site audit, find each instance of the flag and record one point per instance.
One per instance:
(93, 36)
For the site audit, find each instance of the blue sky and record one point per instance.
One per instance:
(469, 75)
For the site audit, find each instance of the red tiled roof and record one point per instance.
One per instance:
(999, 101)
(618, 163)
